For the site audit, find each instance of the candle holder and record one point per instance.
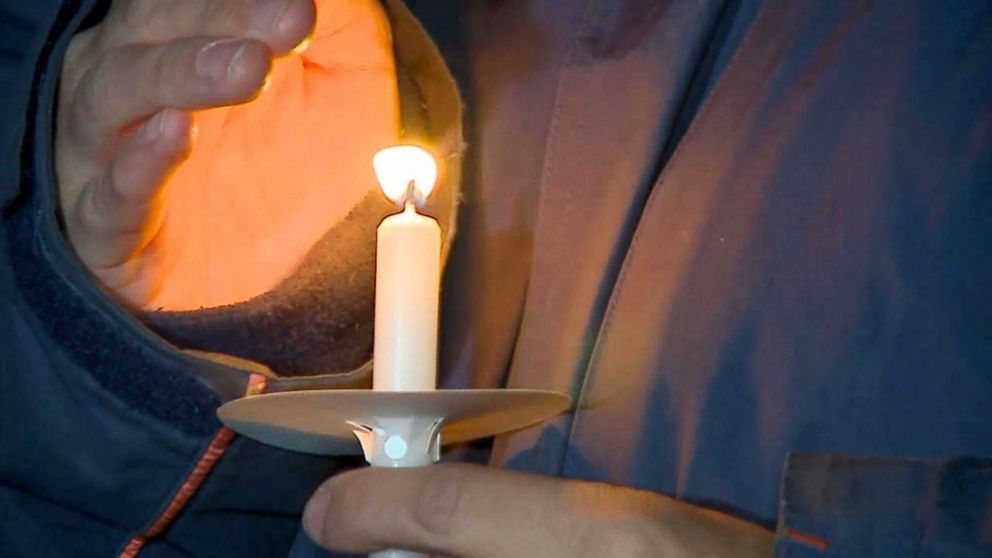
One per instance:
(403, 420)
(390, 428)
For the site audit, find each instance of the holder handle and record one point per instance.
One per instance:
(399, 442)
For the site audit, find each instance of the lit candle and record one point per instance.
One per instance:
(408, 274)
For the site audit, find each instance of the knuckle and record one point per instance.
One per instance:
(92, 94)
(440, 501)
(93, 212)
(162, 68)
(161, 74)
(118, 186)
(86, 214)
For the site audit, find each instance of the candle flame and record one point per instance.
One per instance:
(402, 169)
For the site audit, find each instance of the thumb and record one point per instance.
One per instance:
(451, 510)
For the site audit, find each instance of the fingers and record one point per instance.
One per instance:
(474, 512)
(132, 83)
(115, 214)
(191, 54)
(449, 510)
(280, 24)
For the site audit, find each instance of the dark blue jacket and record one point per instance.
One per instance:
(733, 231)
(109, 442)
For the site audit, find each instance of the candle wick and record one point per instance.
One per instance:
(411, 192)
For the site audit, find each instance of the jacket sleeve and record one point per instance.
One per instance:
(107, 432)
(24, 36)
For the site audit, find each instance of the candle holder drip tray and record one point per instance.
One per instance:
(348, 421)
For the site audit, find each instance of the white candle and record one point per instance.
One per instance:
(408, 274)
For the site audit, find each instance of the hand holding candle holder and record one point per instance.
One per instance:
(403, 420)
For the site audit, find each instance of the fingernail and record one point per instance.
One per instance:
(218, 59)
(302, 47)
(266, 14)
(313, 514)
(153, 129)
